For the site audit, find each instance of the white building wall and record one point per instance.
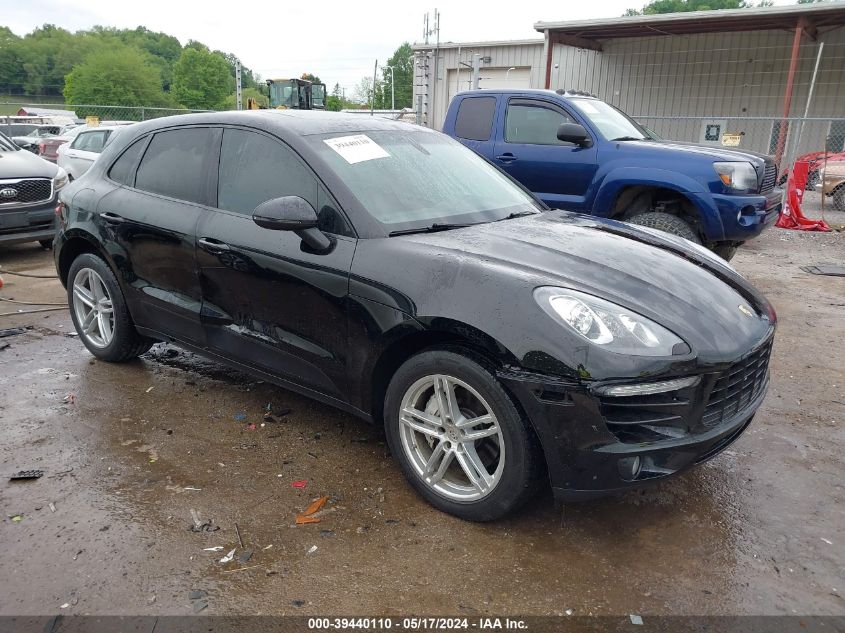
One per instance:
(524, 56)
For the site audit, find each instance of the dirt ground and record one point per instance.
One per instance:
(129, 450)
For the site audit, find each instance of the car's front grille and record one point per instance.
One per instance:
(738, 386)
(25, 191)
(717, 398)
(770, 177)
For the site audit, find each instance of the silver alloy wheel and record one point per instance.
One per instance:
(93, 307)
(452, 437)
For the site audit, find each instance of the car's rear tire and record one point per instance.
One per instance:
(476, 471)
(667, 223)
(99, 311)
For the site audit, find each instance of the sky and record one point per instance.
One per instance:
(337, 41)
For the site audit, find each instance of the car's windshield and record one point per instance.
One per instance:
(6, 145)
(612, 123)
(413, 179)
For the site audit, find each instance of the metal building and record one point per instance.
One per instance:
(704, 76)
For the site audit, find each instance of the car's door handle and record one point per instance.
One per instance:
(506, 157)
(112, 218)
(212, 245)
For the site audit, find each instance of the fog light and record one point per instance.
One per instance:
(629, 467)
(747, 215)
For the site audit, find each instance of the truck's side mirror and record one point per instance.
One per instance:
(292, 213)
(574, 133)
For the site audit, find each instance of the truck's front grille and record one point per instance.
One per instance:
(25, 191)
(770, 177)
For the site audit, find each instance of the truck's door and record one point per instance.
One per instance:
(472, 124)
(526, 146)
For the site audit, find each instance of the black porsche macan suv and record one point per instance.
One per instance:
(387, 270)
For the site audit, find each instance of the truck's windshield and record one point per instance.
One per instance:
(281, 94)
(613, 124)
(411, 179)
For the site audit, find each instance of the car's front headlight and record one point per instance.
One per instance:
(608, 325)
(60, 179)
(738, 176)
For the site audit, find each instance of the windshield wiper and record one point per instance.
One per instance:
(517, 214)
(433, 228)
(629, 138)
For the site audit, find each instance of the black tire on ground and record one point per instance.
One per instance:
(524, 466)
(725, 251)
(126, 343)
(839, 198)
(46, 244)
(667, 223)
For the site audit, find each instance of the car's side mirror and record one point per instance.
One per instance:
(292, 213)
(574, 133)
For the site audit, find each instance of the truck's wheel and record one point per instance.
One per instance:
(668, 223)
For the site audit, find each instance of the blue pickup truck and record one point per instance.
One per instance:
(576, 152)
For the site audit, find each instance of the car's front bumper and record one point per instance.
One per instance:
(593, 443)
(28, 224)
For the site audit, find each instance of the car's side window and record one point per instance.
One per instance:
(534, 124)
(474, 120)
(123, 169)
(255, 168)
(176, 164)
(80, 141)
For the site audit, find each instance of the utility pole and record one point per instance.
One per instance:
(476, 70)
(373, 99)
(238, 91)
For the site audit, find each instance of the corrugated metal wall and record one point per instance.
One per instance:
(723, 77)
(502, 56)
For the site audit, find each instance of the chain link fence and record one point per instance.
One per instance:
(784, 138)
(105, 113)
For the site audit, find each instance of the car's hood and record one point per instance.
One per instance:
(23, 164)
(666, 279)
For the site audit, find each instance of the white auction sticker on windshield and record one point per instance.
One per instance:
(356, 149)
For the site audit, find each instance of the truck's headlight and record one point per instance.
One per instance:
(60, 179)
(608, 325)
(738, 176)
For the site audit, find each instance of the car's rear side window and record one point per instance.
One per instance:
(123, 170)
(176, 164)
(91, 141)
(475, 118)
(255, 168)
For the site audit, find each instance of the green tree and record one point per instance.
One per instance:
(334, 101)
(680, 6)
(402, 62)
(201, 79)
(231, 101)
(115, 75)
(314, 79)
(11, 71)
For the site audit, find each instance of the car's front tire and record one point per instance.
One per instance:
(99, 311)
(458, 437)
